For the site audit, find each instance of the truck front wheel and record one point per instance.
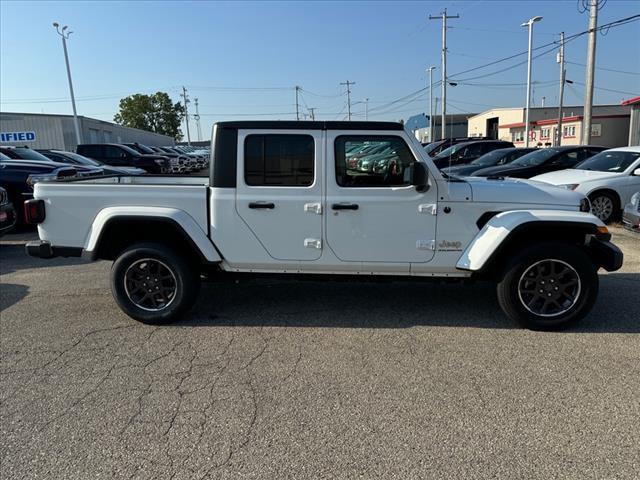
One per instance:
(549, 286)
(152, 284)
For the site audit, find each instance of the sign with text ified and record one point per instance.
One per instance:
(13, 137)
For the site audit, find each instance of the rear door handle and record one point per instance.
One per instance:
(345, 206)
(269, 205)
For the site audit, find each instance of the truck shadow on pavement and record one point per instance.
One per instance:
(401, 304)
(14, 258)
(11, 293)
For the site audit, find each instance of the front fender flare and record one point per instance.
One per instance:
(498, 228)
(181, 218)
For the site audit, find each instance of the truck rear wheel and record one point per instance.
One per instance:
(549, 286)
(152, 284)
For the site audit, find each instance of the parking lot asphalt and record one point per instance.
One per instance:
(286, 379)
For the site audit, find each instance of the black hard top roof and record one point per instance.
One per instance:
(310, 125)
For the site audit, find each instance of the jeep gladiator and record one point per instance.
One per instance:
(327, 198)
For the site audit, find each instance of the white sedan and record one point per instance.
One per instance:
(608, 178)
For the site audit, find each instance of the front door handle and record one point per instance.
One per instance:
(269, 205)
(345, 206)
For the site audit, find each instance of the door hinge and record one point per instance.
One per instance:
(431, 208)
(313, 243)
(313, 207)
(426, 244)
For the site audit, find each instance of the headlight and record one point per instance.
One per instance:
(570, 186)
(33, 179)
(635, 200)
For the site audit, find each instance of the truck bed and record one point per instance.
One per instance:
(72, 207)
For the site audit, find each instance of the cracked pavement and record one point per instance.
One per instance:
(285, 379)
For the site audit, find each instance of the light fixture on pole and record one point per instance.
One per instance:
(65, 35)
(529, 23)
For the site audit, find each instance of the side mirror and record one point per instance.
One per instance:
(419, 176)
(636, 172)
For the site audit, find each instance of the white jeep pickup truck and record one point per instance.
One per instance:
(327, 198)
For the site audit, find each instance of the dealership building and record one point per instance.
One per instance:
(609, 125)
(41, 130)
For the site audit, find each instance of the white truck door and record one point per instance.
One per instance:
(373, 214)
(279, 190)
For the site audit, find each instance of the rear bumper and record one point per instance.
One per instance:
(44, 249)
(606, 254)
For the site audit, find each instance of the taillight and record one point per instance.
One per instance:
(34, 212)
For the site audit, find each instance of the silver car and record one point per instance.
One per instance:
(631, 214)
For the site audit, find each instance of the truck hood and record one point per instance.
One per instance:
(514, 190)
(573, 175)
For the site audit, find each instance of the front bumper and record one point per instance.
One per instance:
(631, 219)
(44, 249)
(606, 254)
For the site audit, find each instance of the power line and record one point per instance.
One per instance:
(604, 68)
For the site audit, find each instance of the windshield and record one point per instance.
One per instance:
(492, 157)
(78, 158)
(609, 161)
(432, 146)
(451, 150)
(535, 158)
(26, 154)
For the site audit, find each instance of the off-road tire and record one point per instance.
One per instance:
(183, 279)
(514, 289)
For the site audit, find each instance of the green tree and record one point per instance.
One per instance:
(155, 113)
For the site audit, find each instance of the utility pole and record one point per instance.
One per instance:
(65, 36)
(348, 84)
(563, 75)
(366, 108)
(186, 113)
(591, 60)
(443, 16)
(529, 24)
(197, 119)
(312, 112)
(430, 70)
(297, 104)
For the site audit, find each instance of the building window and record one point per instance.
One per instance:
(517, 136)
(545, 133)
(279, 160)
(569, 131)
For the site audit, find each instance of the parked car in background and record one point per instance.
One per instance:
(609, 179)
(541, 161)
(434, 148)
(502, 156)
(178, 163)
(201, 162)
(75, 159)
(7, 212)
(466, 152)
(29, 155)
(631, 213)
(18, 178)
(192, 162)
(118, 155)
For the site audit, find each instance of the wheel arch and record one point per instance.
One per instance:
(607, 190)
(506, 233)
(113, 231)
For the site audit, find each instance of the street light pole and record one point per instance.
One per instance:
(529, 24)
(65, 35)
(430, 70)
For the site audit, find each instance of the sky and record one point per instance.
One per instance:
(242, 60)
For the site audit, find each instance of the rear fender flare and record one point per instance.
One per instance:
(194, 233)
